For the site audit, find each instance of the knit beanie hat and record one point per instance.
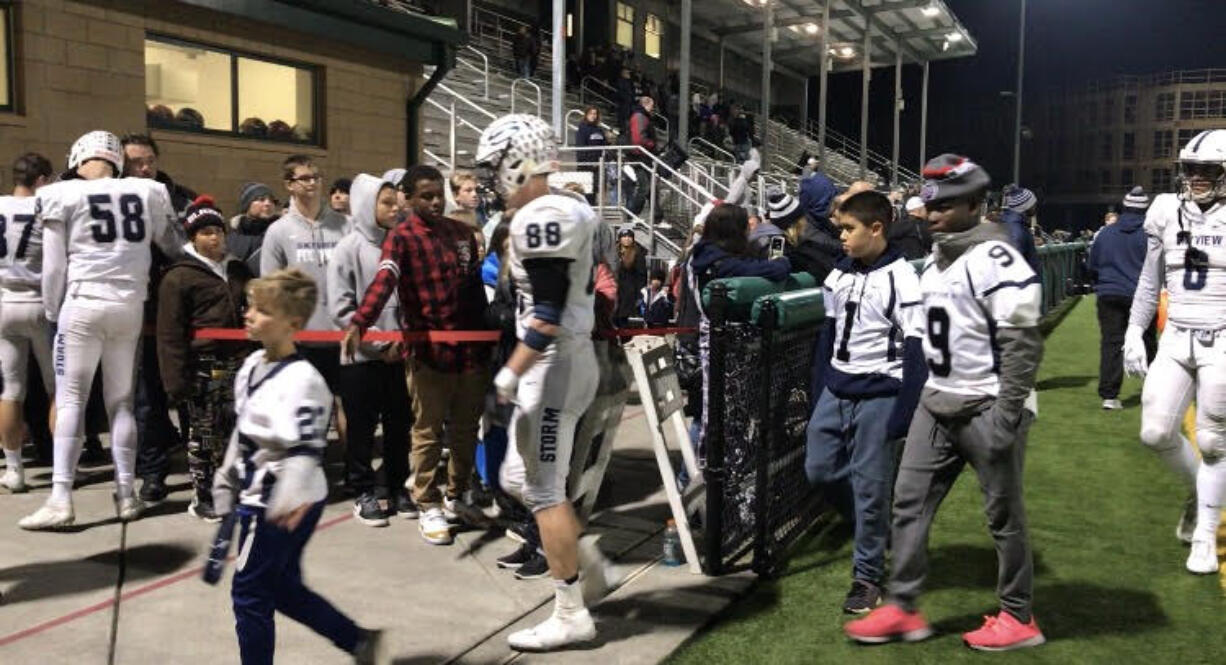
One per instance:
(1017, 199)
(201, 213)
(914, 203)
(783, 208)
(1137, 198)
(249, 192)
(950, 176)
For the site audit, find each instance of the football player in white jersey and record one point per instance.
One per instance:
(552, 373)
(1187, 253)
(981, 306)
(23, 327)
(97, 230)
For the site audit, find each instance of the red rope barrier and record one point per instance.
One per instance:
(449, 336)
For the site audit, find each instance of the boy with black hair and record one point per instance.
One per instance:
(870, 369)
(983, 346)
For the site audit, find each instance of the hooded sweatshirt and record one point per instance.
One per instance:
(1117, 255)
(297, 242)
(355, 261)
(245, 237)
(819, 247)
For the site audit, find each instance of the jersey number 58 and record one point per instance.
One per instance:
(131, 218)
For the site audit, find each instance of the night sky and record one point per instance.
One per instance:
(1067, 42)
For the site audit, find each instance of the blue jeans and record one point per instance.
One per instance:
(848, 455)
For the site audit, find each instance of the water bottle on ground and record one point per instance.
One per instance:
(672, 545)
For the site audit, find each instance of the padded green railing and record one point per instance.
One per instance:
(793, 309)
(743, 291)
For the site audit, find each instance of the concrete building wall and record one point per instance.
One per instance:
(80, 66)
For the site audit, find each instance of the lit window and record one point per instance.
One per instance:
(625, 26)
(651, 36)
(197, 88)
(1164, 106)
(6, 67)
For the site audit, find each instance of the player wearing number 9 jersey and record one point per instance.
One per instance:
(1187, 250)
(981, 305)
(97, 233)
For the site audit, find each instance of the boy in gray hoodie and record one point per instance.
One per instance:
(371, 383)
(305, 237)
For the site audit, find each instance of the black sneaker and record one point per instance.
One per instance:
(517, 558)
(368, 511)
(153, 490)
(403, 507)
(520, 532)
(534, 568)
(863, 597)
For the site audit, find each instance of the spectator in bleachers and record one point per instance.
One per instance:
(526, 49)
(258, 210)
(1017, 214)
(430, 261)
(371, 386)
(625, 98)
(909, 233)
(338, 195)
(1115, 264)
(782, 210)
(591, 135)
(642, 133)
(631, 275)
(813, 240)
(740, 129)
(205, 288)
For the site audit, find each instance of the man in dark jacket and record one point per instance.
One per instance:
(642, 134)
(741, 131)
(909, 233)
(1115, 263)
(817, 245)
(1017, 211)
(591, 135)
(257, 211)
(155, 434)
(525, 49)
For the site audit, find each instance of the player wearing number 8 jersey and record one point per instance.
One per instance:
(1187, 250)
(981, 302)
(97, 233)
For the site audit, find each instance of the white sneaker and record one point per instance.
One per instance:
(49, 516)
(1112, 405)
(434, 527)
(128, 508)
(594, 570)
(1187, 521)
(13, 481)
(459, 510)
(559, 630)
(1202, 560)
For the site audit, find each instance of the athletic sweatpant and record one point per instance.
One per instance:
(268, 578)
(937, 449)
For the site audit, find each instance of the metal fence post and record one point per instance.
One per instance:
(713, 441)
(766, 434)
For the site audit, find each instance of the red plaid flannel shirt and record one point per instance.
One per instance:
(433, 266)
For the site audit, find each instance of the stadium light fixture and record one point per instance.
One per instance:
(954, 37)
(811, 28)
(931, 10)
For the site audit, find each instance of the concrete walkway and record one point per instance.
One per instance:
(439, 604)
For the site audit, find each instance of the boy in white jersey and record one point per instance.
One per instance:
(552, 373)
(870, 371)
(272, 471)
(23, 327)
(1187, 251)
(981, 306)
(97, 232)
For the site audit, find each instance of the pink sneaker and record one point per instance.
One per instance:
(1003, 633)
(887, 624)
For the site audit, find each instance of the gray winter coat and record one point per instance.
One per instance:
(355, 261)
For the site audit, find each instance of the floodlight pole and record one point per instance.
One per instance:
(768, 27)
(1021, 69)
(559, 67)
(824, 57)
(683, 104)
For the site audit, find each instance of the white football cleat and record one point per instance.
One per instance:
(128, 508)
(1112, 405)
(563, 628)
(49, 516)
(1202, 560)
(13, 481)
(1187, 521)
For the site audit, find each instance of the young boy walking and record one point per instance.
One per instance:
(870, 373)
(272, 471)
(205, 288)
(983, 346)
(371, 386)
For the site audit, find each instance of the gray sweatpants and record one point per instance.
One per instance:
(937, 448)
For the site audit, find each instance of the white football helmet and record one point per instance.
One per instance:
(513, 149)
(1205, 155)
(97, 144)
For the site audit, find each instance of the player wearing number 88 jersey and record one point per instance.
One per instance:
(97, 233)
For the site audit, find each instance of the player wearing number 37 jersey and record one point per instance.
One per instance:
(97, 232)
(981, 309)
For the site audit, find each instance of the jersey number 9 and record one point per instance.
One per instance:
(131, 218)
(938, 337)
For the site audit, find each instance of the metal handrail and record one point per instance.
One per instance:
(534, 86)
(710, 146)
(582, 88)
(486, 69)
(465, 100)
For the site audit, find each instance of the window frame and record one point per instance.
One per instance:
(658, 33)
(8, 8)
(619, 20)
(317, 100)
(1165, 105)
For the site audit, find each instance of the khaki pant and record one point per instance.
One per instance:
(441, 397)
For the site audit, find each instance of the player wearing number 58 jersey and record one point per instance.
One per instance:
(983, 347)
(97, 232)
(1187, 251)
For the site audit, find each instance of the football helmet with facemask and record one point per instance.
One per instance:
(513, 149)
(1203, 158)
(97, 144)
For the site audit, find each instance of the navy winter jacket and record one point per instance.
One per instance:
(1117, 255)
(1021, 238)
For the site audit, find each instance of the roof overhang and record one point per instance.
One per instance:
(919, 30)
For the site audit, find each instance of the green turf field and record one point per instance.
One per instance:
(1110, 583)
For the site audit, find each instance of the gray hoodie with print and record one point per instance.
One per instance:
(355, 261)
(293, 241)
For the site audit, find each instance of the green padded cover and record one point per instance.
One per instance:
(743, 291)
(792, 309)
